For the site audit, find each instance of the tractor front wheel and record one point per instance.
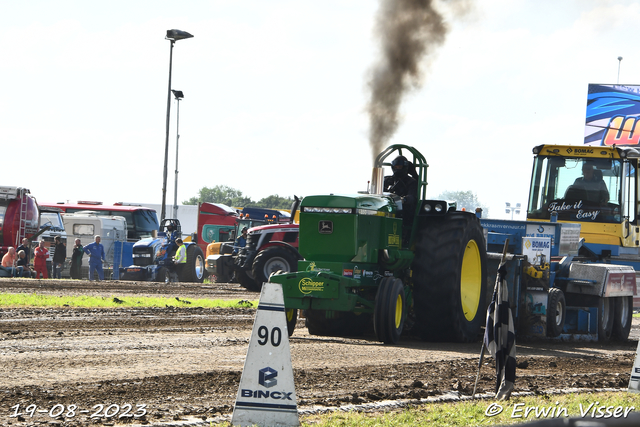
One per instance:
(292, 319)
(163, 275)
(390, 310)
(450, 280)
(556, 312)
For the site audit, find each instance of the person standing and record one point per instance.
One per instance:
(180, 258)
(40, 261)
(76, 259)
(95, 251)
(59, 255)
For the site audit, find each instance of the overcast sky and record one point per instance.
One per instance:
(275, 95)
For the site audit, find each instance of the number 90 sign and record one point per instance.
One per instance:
(275, 337)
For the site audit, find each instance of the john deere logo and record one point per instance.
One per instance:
(325, 227)
(307, 286)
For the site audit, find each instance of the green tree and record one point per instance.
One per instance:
(275, 202)
(219, 194)
(466, 199)
(232, 197)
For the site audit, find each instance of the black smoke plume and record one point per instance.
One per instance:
(409, 31)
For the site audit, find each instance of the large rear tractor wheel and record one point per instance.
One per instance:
(556, 312)
(193, 271)
(623, 314)
(271, 260)
(247, 281)
(450, 280)
(605, 319)
(292, 319)
(390, 310)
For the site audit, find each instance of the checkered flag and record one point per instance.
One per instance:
(499, 336)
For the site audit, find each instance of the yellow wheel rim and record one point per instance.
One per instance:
(289, 314)
(398, 311)
(471, 280)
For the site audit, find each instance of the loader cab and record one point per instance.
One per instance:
(595, 186)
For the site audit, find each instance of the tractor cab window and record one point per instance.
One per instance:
(577, 189)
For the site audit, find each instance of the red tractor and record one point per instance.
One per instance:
(269, 248)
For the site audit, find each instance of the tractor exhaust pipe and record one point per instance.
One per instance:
(377, 181)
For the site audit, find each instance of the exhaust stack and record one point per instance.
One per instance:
(377, 181)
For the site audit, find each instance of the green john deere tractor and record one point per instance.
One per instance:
(369, 263)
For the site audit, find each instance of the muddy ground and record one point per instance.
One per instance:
(184, 364)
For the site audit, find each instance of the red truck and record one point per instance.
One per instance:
(19, 217)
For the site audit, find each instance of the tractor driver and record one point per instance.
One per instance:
(170, 229)
(241, 241)
(403, 184)
(591, 181)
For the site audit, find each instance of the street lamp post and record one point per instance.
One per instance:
(619, 62)
(172, 36)
(179, 95)
(512, 209)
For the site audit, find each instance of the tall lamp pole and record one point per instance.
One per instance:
(179, 95)
(619, 62)
(172, 36)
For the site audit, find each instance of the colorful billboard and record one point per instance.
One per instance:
(613, 112)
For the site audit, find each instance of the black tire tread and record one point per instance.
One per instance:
(436, 276)
(621, 328)
(555, 295)
(189, 271)
(263, 256)
(246, 281)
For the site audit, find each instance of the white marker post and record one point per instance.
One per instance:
(634, 380)
(267, 395)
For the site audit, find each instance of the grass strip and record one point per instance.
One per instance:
(596, 406)
(39, 300)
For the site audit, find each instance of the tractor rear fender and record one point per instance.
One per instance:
(293, 249)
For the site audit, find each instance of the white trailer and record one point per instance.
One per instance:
(186, 214)
(52, 218)
(85, 225)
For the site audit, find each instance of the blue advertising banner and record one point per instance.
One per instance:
(612, 115)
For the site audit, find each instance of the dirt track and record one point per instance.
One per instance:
(185, 363)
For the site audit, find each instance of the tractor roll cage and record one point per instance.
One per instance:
(417, 159)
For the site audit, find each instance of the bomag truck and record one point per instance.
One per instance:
(597, 189)
(584, 207)
(367, 262)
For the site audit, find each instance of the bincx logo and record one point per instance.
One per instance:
(267, 377)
